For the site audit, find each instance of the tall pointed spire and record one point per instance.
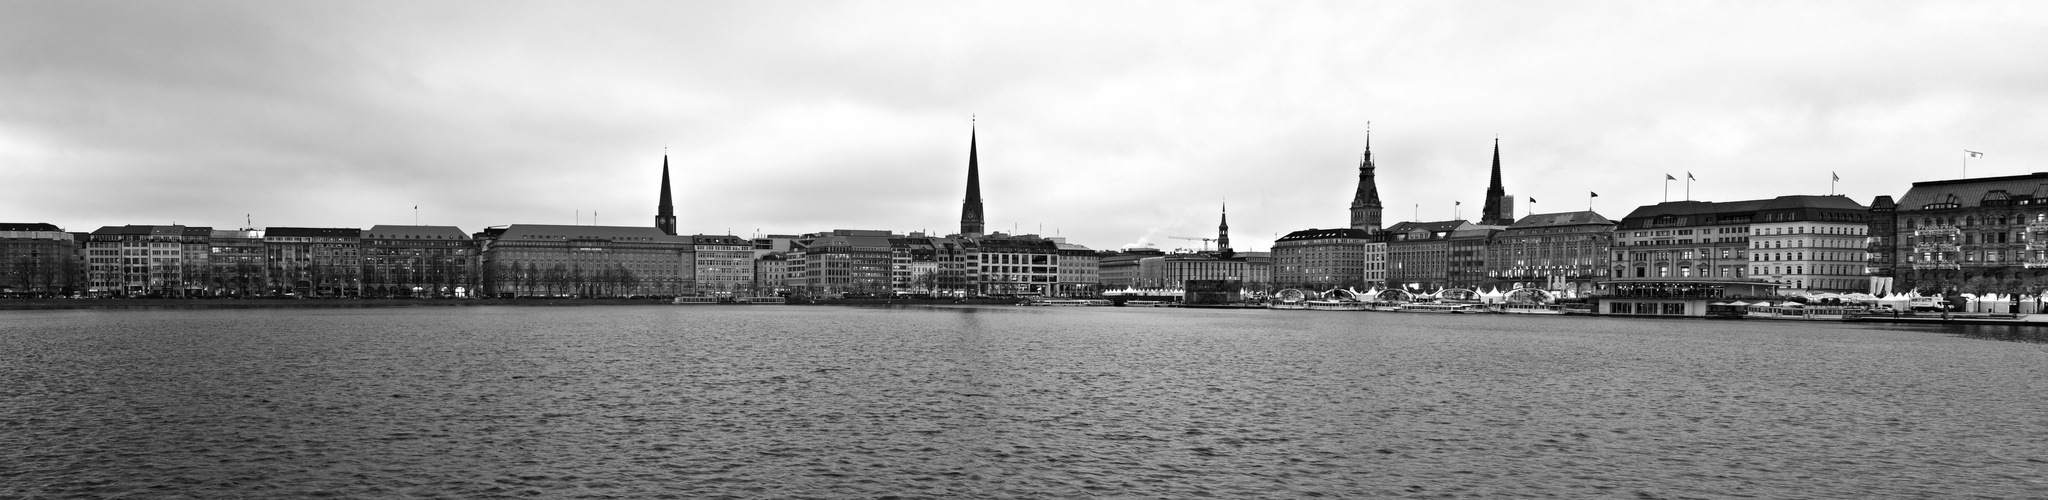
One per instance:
(1494, 214)
(665, 214)
(971, 217)
(1223, 231)
(1365, 206)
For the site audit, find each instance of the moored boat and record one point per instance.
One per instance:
(1553, 309)
(1444, 307)
(1335, 305)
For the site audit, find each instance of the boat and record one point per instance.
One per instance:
(1444, 307)
(1335, 305)
(1384, 306)
(1290, 299)
(1067, 302)
(1147, 303)
(760, 300)
(1552, 309)
(694, 300)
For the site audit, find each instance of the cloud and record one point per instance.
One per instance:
(1112, 123)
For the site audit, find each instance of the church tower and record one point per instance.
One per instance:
(970, 209)
(1499, 209)
(1223, 232)
(665, 215)
(1365, 206)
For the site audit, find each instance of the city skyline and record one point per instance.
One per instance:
(1129, 127)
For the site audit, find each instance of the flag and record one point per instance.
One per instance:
(1532, 201)
(1688, 176)
(1668, 177)
(1838, 177)
(1974, 154)
(1454, 203)
(1594, 195)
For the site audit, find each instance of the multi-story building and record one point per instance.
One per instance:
(913, 265)
(1465, 264)
(1811, 244)
(1686, 240)
(1080, 271)
(37, 260)
(1419, 254)
(543, 260)
(137, 261)
(1560, 251)
(1972, 235)
(315, 261)
(959, 265)
(1881, 259)
(236, 263)
(724, 265)
(1258, 270)
(1018, 265)
(1374, 269)
(418, 261)
(771, 275)
(1175, 270)
(1119, 270)
(1321, 259)
(848, 263)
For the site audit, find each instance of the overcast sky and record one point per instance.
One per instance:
(1110, 123)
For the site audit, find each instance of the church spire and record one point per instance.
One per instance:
(1495, 213)
(971, 217)
(1365, 205)
(665, 214)
(1223, 231)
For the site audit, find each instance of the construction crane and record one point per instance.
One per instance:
(1205, 241)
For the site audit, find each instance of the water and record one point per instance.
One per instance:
(833, 402)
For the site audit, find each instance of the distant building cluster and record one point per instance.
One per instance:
(1970, 235)
(1981, 235)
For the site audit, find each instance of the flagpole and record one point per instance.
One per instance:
(1667, 188)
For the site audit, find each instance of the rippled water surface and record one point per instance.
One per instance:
(785, 401)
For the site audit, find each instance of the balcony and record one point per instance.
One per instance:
(1936, 265)
(1936, 248)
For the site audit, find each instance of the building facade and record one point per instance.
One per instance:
(724, 265)
(1972, 235)
(418, 262)
(1018, 265)
(1321, 259)
(544, 260)
(1419, 254)
(1465, 264)
(1685, 240)
(38, 260)
(237, 263)
(1812, 244)
(1559, 251)
(146, 261)
(314, 261)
